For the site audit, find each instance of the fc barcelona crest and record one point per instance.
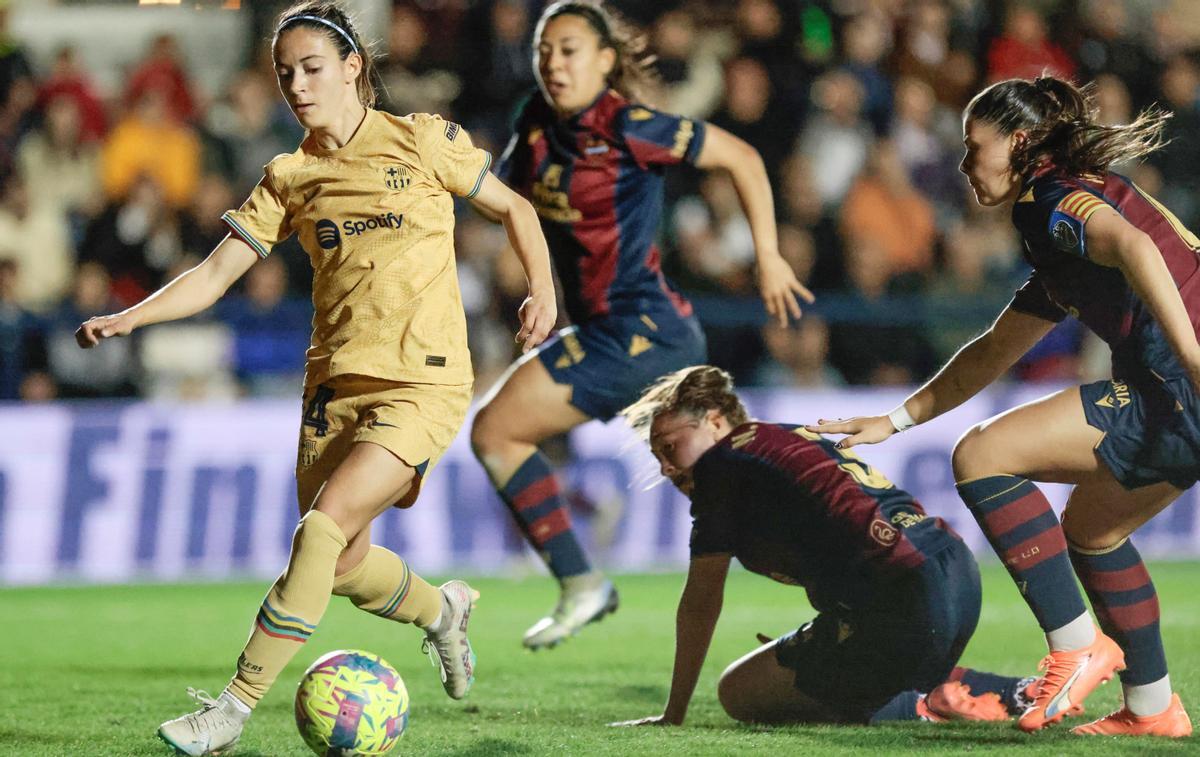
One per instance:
(397, 177)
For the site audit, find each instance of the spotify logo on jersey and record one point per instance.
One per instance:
(328, 235)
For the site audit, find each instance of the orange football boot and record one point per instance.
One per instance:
(953, 701)
(1069, 677)
(1172, 723)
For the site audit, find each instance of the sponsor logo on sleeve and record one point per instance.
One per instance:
(451, 130)
(883, 532)
(1065, 237)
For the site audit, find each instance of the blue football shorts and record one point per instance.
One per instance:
(854, 661)
(610, 360)
(1150, 430)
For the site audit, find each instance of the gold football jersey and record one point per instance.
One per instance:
(376, 218)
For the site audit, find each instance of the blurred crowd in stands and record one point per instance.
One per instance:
(854, 105)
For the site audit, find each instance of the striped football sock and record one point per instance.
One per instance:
(1126, 605)
(1017, 520)
(292, 608)
(535, 498)
(384, 585)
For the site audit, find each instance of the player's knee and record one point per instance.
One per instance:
(486, 431)
(970, 458)
(731, 694)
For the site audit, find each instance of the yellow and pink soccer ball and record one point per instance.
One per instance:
(351, 703)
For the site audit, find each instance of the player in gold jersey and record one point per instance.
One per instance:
(388, 376)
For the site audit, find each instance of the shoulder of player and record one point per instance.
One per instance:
(279, 168)
(758, 438)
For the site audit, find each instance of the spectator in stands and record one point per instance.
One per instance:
(35, 234)
(691, 80)
(498, 72)
(22, 342)
(865, 41)
(749, 111)
(135, 239)
(110, 372)
(150, 141)
(836, 141)
(977, 279)
(919, 133)
(412, 82)
(875, 339)
(163, 71)
(884, 207)
(200, 224)
(769, 36)
(1024, 50)
(797, 356)
(243, 133)
(17, 89)
(68, 79)
(270, 331)
(924, 50)
(61, 167)
(1179, 162)
(1109, 45)
(802, 206)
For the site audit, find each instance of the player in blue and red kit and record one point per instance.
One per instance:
(897, 591)
(1105, 252)
(590, 157)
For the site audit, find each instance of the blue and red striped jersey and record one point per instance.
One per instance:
(1050, 214)
(790, 506)
(596, 180)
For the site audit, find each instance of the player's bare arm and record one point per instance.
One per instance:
(1112, 241)
(983, 360)
(538, 312)
(191, 292)
(699, 608)
(777, 282)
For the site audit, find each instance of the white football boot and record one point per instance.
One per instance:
(453, 650)
(575, 609)
(213, 729)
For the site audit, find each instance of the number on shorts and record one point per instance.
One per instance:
(314, 413)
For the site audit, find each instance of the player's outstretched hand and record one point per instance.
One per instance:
(652, 720)
(92, 330)
(870, 429)
(778, 285)
(537, 313)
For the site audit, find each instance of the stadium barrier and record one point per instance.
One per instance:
(102, 492)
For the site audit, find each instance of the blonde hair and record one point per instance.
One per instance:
(689, 391)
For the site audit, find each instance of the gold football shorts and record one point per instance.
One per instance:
(415, 422)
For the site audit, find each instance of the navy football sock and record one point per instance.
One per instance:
(535, 498)
(1008, 688)
(1017, 520)
(1126, 606)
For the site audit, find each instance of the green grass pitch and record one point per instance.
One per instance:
(92, 671)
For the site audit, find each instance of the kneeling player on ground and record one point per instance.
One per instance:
(897, 591)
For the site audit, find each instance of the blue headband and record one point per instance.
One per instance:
(320, 20)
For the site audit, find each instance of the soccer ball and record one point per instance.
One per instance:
(351, 703)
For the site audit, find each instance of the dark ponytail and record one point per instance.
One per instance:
(342, 35)
(1061, 122)
(632, 74)
(689, 391)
